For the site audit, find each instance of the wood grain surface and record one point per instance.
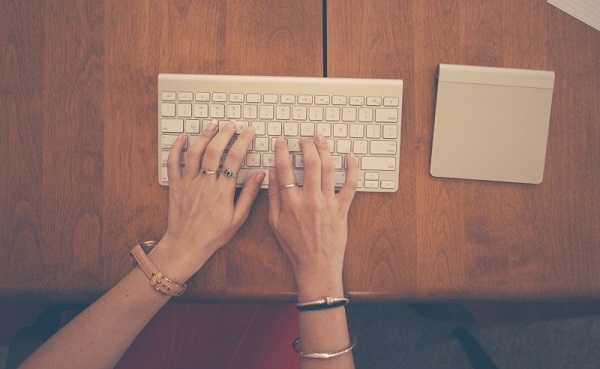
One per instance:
(78, 143)
(78, 186)
(447, 239)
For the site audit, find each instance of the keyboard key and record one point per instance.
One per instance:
(274, 128)
(253, 160)
(293, 144)
(168, 95)
(172, 125)
(332, 113)
(192, 126)
(167, 141)
(253, 98)
(305, 99)
(357, 100)
(338, 161)
(378, 163)
(299, 112)
(339, 100)
(250, 112)
(186, 96)
(324, 129)
(339, 178)
(268, 160)
(234, 111)
(271, 99)
(357, 130)
(360, 147)
(390, 101)
(386, 115)
(388, 184)
(290, 129)
(184, 110)
(283, 112)
(236, 98)
(167, 109)
(322, 100)
(200, 110)
(390, 131)
(349, 114)
(260, 127)
(371, 184)
(373, 131)
(307, 129)
(202, 96)
(373, 101)
(266, 112)
(217, 111)
(340, 130)
(365, 115)
(288, 99)
(382, 147)
(261, 144)
(371, 176)
(241, 125)
(343, 146)
(315, 113)
(219, 97)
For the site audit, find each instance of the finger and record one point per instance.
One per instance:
(247, 197)
(214, 150)
(348, 190)
(236, 154)
(174, 159)
(194, 155)
(274, 199)
(327, 166)
(283, 165)
(312, 165)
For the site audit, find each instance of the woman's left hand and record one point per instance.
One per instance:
(202, 213)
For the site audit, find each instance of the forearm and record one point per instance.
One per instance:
(100, 335)
(323, 330)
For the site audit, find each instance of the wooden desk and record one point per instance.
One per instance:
(78, 180)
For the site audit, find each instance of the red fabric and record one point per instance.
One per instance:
(216, 336)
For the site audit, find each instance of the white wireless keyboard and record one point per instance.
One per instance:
(355, 115)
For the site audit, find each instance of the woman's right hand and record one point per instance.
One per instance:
(310, 222)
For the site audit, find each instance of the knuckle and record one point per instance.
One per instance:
(212, 152)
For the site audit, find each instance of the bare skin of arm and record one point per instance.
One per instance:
(202, 218)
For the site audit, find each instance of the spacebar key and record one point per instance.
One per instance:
(378, 163)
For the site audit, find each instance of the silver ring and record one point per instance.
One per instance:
(229, 173)
(285, 187)
(206, 171)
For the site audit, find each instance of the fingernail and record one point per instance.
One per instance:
(250, 129)
(260, 177)
(213, 126)
(319, 138)
(181, 137)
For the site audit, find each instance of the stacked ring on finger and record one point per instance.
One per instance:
(229, 173)
(207, 171)
(285, 187)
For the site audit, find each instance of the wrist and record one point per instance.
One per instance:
(317, 284)
(174, 264)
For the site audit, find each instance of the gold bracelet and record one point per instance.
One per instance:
(323, 355)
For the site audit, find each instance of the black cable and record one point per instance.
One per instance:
(324, 38)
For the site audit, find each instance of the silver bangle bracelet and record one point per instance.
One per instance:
(324, 355)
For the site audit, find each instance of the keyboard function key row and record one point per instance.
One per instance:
(283, 99)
